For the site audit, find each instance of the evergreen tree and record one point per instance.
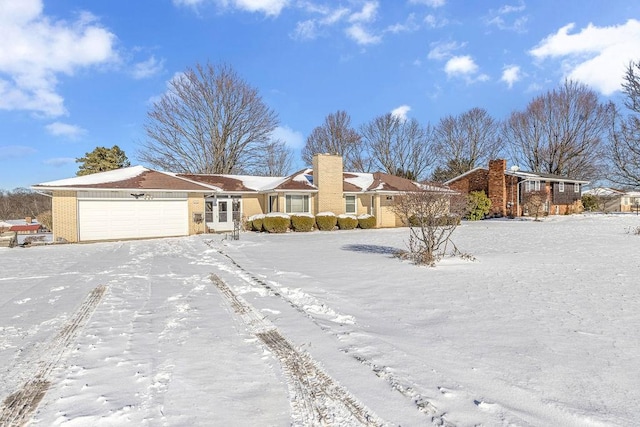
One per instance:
(102, 159)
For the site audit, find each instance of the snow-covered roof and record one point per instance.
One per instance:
(363, 181)
(603, 191)
(139, 177)
(134, 177)
(544, 176)
(98, 178)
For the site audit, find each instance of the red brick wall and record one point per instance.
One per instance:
(474, 181)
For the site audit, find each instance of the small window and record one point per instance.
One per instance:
(537, 185)
(297, 203)
(561, 187)
(576, 188)
(273, 204)
(350, 204)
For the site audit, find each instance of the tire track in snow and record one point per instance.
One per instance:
(422, 404)
(316, 399)
(17, 408)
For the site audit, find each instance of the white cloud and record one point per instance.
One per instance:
(430, 3)
(511, 74)
(434, 22)
(292, 138)
(460, 65)
(504, 18)
(191, 3)
(596, 56)
(312, 28)
(401, 112)
(465, 67)
(443, 50)
(367, 14)
(306, 30)
(268, 7)
(408, 26)
(40, 50)
(59, 161)
(15, 151)
(64, 129)
(361, 35)
(148, 68)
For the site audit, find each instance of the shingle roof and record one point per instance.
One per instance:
(141, 178)
(135, 178)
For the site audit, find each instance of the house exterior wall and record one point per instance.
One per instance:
(196, 207)
(385, 216)
(327, 177)
(64, 211)
(253, 204)
(474, 181)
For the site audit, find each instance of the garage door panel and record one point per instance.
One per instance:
(130, 219)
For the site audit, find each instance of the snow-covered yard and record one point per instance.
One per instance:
(327, 328)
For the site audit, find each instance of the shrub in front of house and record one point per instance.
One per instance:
(347, 222)
(478, 205)
(255, 222)
(302, 222)
(276, 223)
(326, 221)
(366, 221)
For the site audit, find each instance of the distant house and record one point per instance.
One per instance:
(138, 202)
(614, 200)
(509, 190)
(26, 226)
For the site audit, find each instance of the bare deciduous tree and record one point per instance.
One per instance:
(561, 132)
(209, 121)
(625, 135)
(398, 147)
(21, 203)
(335, 136)
(432, 217)
(276, 160)
(464, 142)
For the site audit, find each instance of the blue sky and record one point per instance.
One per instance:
(77, 74)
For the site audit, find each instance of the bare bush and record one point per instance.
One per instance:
(534, 203)
(432, 217)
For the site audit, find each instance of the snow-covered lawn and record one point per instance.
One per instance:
(327, 328)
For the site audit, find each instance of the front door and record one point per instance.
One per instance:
(221, 212)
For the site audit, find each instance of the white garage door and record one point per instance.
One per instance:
(132, 219)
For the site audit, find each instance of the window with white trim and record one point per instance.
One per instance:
(297, 203)
(561, 187)
(533, 185)
(576, 188)
(350, 204)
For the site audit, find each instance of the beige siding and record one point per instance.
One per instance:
(65, 216)
(196, 206)
(385, 215)
(253, 204)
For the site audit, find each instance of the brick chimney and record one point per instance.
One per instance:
(28, 220)
(497, 187)
(327, 176)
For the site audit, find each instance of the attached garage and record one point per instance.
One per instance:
(120, 215)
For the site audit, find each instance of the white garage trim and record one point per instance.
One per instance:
(130, 218)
